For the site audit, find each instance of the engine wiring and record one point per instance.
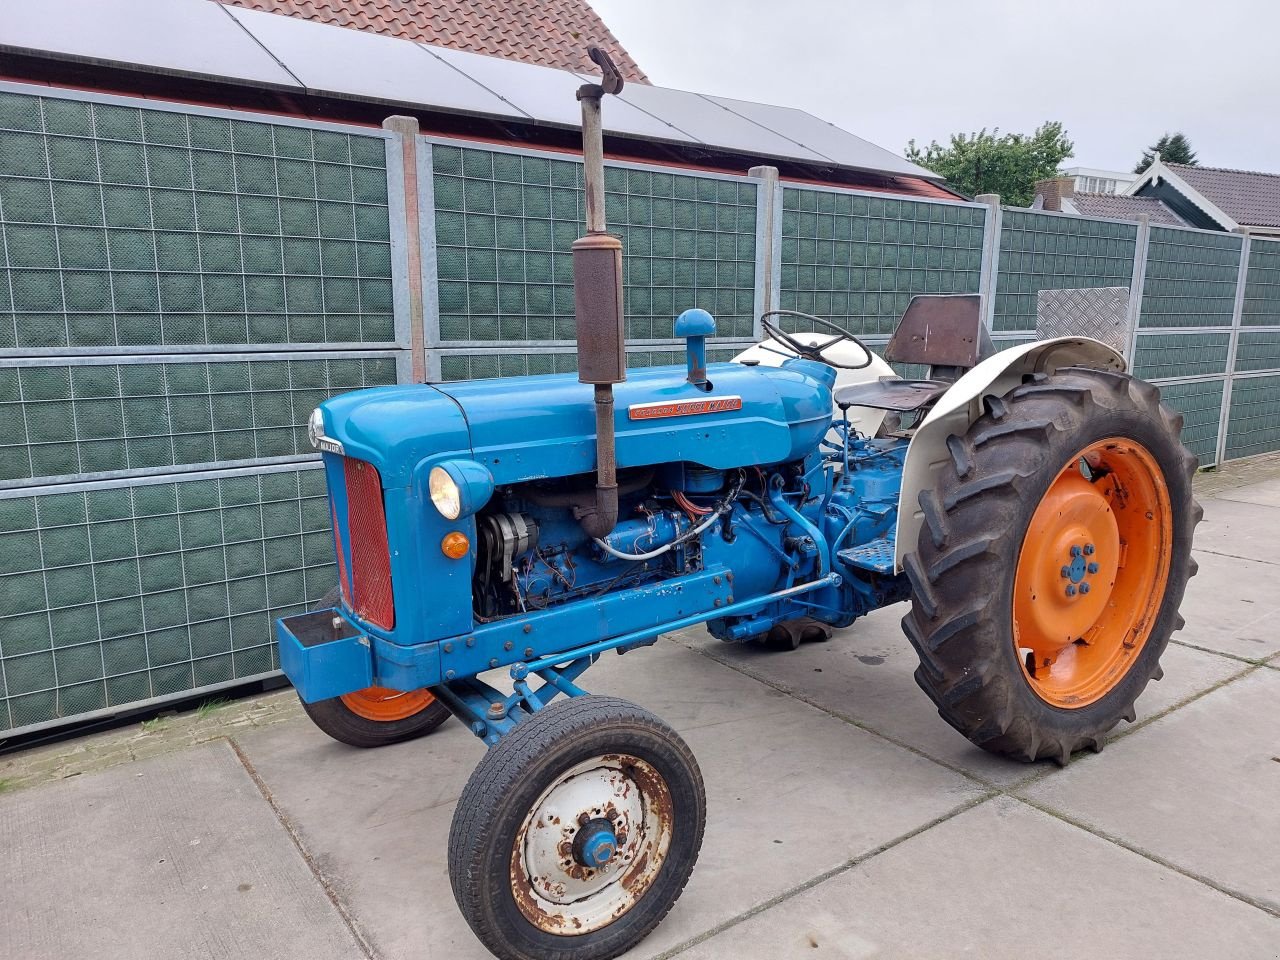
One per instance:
(723, 507)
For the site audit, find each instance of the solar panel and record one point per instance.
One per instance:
(367, 66)
(713, 124)
(547, 94)
(192, 37)
(202, 38)
(822, 137)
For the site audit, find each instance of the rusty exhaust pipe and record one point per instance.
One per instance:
(597, 301)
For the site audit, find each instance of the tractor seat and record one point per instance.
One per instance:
(890, 393)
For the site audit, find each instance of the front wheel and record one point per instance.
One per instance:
(1053, 559)
(375, 716)
(577, 832)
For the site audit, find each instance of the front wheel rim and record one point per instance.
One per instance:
(384, 705)
(592, 844)
(1092, 572)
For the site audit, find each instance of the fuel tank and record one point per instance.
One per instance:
(528, 428)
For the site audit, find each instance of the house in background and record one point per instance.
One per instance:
(1094, 180)
(1060, 194)
(1214, 198)
(1175, 194)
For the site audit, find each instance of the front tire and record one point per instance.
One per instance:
(1055, 553)
(577, 832)
(375, 716)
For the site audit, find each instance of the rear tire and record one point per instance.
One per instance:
(989, 585)
(375, 717)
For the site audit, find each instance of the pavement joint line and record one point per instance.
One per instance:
(1253, 662)
(1236, 556)
(1155, 858)
(348, 920)
(826, 875)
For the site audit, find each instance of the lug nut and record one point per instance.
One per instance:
(1071, 591)
(1066, 573)
(1093, 568)
(1084, 587)
(1075, 550)
(1088, 549)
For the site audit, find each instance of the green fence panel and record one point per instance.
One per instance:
(66, 421)
(1041, 251)
(112, 596)
(178, 289)
(128, 227)
(1253, 423)
(1191, 278)
(1162, 355)
(857, 259)
(1200, 403)
(1262, 286)
(1258, 350)
(504, 224)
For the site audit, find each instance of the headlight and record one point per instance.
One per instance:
(445, 493)
(459, 488)
(315, 427)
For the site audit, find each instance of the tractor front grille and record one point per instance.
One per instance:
(372, 599)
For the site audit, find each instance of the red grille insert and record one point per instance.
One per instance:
(370, 555)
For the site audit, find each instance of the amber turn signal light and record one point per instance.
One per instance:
(455, 545)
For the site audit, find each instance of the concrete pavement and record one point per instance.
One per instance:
(845, 819)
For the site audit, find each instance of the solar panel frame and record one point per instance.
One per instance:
(547, 95)
(713, 124)
(813, 133)
(187, 37)
(356, 65)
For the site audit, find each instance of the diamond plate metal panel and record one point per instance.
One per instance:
(1098, 312)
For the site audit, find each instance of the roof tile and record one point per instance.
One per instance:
(1248, 197)
(550, 33)
(1118, 207)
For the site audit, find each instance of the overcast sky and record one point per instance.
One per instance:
(1117, 74)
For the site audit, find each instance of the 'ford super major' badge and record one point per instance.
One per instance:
(682, 408)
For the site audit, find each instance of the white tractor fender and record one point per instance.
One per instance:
(957, 409)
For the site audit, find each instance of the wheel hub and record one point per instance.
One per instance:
(596, 843)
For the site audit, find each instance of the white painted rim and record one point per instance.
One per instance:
(559, 895)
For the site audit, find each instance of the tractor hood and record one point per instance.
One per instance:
(528, 428)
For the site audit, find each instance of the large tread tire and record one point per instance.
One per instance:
(962, 572)
(343, 724)
(508, 781)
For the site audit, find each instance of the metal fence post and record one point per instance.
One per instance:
(987, 278)
(405, 235)
(768, 243)
(1237, 318)
(1136, 283)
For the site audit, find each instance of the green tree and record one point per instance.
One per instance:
(990, 162)
(1172, 147)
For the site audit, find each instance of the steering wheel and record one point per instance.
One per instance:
(813, 351)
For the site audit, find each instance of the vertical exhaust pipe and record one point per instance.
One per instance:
(597, 301)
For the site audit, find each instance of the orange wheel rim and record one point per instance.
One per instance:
(1092, 572)
(383, 705)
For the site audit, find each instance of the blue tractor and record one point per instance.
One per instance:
(1033, 505)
